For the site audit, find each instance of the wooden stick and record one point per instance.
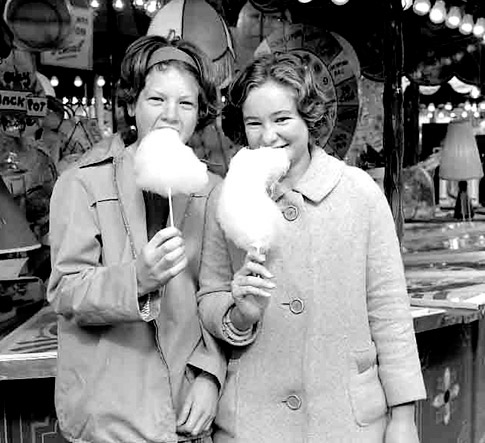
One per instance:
(170, 207)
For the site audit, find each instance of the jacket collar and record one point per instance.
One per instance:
(105, 150)
(321, 177)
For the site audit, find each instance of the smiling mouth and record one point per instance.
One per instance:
(168, 127)
(274, 147)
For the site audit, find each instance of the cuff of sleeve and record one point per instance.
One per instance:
(233, 335)
(149, 305)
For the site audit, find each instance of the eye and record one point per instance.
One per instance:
(252, 124)
(156, 99)
(187, 104)
(282, 119)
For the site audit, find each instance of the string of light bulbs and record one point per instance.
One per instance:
(454, 18)
(438, 13)
(78, 81)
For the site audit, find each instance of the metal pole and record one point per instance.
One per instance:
(394, 111)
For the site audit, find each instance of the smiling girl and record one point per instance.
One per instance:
(134, 364)
(321, 339)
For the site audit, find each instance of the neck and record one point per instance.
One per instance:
(296, 171)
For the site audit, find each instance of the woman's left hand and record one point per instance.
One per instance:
(401, 427)
(199, 409)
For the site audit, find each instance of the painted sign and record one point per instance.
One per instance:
(77, 53)
(23, 101)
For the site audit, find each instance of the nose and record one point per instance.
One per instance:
(269, 135)
(169, 112)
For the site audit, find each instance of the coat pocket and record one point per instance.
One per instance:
(366, 393)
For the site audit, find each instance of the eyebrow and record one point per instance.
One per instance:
(274, 114)
(163, 94)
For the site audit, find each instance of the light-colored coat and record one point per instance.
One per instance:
(121, 375)
(329, 373)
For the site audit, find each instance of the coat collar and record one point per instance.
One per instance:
(321, 177)
(105, 150)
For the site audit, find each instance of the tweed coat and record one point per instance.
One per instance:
(124, 363)
(336, 346)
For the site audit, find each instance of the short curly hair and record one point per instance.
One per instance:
(299, 70)
(134, 73)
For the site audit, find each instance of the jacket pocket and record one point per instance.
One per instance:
(366, 393)
(225, 421)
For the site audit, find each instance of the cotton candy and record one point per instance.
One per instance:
(245, 210)
(163, 164)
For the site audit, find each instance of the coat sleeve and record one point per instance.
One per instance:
(389, 309)
(216, 274)
(80, 287)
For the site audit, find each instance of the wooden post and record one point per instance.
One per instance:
(411, 125)
(393, 106)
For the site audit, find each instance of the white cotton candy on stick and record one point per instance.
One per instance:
(163, 163)
(246, 213)
(166, 166)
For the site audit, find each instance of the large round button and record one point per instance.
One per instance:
(291, 213)
(297, 306)
(293, 402)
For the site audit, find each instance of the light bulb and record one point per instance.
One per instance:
(453, 19)
(78, 81)
(475, 92)
(100, 81)
(421, 7)
(304, 1)
(339, 2)
(151, 6)
(466, 26)
(118, 5)
(94, 4)
(139, 3)
(54, 81)
(438, 12)
(431, 107)
(479, 28)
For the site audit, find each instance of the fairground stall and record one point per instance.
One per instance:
(406, 83)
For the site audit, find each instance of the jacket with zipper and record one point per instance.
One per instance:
(124, 363)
